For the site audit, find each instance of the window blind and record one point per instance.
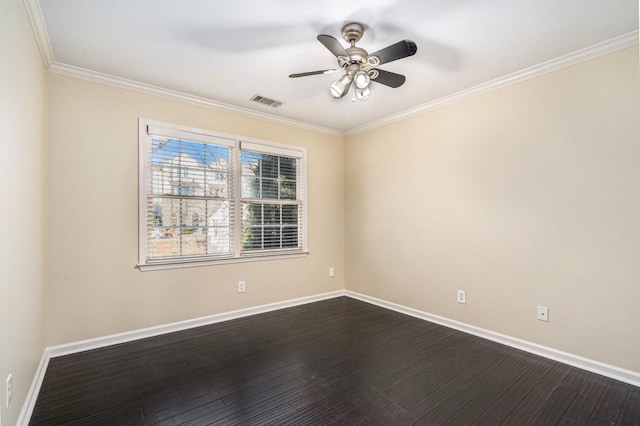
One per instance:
(271, 200)
(190, 209)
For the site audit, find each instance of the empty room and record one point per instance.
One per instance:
(387, 212)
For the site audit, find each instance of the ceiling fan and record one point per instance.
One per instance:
(359, 66)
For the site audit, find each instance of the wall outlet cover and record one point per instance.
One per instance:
(543, 313)
(8, 390)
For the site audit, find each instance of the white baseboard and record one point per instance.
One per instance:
(129, 336)
(34, 390)
(597, 367)
(593, 366)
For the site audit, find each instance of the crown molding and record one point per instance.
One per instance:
(39, 27)
(123, 83)
(599, 49)
(44, 44)
(40, 30)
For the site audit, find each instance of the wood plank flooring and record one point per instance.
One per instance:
(339, 362)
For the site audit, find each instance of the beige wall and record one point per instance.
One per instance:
(524, 196)
(22, 215)
(93, 287)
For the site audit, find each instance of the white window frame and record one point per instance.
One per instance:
(202, 135)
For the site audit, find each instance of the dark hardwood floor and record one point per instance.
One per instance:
(339, 361)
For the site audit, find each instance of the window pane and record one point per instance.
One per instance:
(287, 190)
(191, 211)
(251, 226)
(251, 214)
(218, 227)
(269, 226)
(270, 166)
(165, 212)
(251, 163)
(216, 182)
(271, 214)
(269, 189)
(289, 237)
(194, 242)
(272, 237)
(250, 187)
(160, 181)
(251, 172)
(288, 168)
(268, 176)
(252, 238)
(187, 168)
(290, 215)
(189, 227)
(165, 243)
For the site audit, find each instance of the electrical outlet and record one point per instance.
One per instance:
(9, 390)
(543, 313)
(462, 296)
(241, 287)
(332, 272)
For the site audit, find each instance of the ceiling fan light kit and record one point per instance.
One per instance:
(361, 79)
(359, 66)
(340, 87)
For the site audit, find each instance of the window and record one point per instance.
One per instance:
(209, 198)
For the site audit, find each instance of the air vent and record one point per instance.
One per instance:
(265, 101)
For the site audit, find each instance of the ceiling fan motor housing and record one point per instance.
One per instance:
(357, 55)
(352, 32)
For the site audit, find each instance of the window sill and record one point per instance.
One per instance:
(179, 264)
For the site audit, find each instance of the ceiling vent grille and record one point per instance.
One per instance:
(265, 101)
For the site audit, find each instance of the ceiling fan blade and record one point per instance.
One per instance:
(387, 78)
(333, 45)
(399, 50)
(305, 74)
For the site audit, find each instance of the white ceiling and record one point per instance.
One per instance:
(228, 51)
